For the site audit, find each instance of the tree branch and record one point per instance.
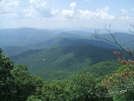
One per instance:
(96, 35)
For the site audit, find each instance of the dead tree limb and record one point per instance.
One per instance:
(130, 29)
(96, 35)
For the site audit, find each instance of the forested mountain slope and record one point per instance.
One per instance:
(17, 84)
(103, 68)
(99, 69)
(70, 58)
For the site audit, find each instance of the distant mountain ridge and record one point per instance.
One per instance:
(125, 39)
(23, 36)
(29, 37)
(50, 51)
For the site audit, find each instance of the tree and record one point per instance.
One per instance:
(25, 84)
(82, 87)
(85, 88)
(16, 83)
(6, 78)
(121, 84)
(129, 50)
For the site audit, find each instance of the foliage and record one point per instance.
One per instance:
(120, 84)
(71, 58)
(99, 70)
(15, 83)
(85, 86)
(53, 91)
(6, 79)
(55, 74)
(103, 68)
(80, 88)
(25, 83)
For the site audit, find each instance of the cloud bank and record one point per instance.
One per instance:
(42, 11)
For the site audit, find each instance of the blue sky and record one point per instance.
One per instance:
(66, 13)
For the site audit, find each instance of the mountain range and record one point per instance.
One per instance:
(60, 52)
(29, 38)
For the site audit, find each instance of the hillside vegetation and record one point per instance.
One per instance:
(17, 84)
(50, 65)
(71, 58)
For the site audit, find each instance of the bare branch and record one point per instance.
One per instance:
(96, 35)
(130, 29)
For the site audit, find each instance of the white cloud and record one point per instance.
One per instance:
(123, 18)
(126, 19)
(30, 12)
(41, 7)
(102, 14)
(34, 1)
(123, 11)
(44, 13)
(55, 12)
(9, 15)
(8, 7)
(99, 14)
(67, 13)
(73, 4)
(71, 13)
(103, 10)
(31, 8)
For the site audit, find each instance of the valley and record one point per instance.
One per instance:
(53, 52)
(48, 65)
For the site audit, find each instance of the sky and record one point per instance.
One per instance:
(53, 14)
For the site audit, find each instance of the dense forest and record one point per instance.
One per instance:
(64, 67)
(58, 62)
(17, 83)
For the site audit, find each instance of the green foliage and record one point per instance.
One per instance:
(79, 88)
(53, 91)
(85, 86)
(82, 87)
(120, 84)
(122, 67)
(6, 79)
(15, 83)
(55, 75)
(71, 58)
(99, 70)
(103, 68)
(25, 84)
